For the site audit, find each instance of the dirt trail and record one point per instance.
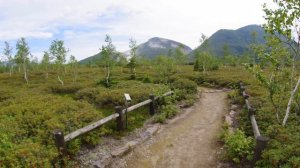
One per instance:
(188, 141)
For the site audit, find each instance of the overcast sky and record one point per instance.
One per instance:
(82, 24)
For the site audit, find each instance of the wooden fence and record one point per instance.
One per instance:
(261, 141)
(61, 140)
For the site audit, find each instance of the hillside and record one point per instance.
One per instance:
(237, 41)
(150, 49)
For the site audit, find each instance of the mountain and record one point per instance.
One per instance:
(159, 46)
(237, 41)
(150, 49)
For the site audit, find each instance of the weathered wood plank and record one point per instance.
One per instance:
(165, 94)
(131, 108)
(245, 95)
(248, 104)
(90, 127)
(109, 118)
(254, 126)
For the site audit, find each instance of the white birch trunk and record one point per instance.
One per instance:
(288, 109)
(61, 82)
(10, 69)
(107, 75)
(25, 71)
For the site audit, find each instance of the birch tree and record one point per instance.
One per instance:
(45, 63)
(180, 57)
(7, 51)
(58, 51)
(107, 52)
(284, 20)
(74, 65)
(133, 60)
(23, 55)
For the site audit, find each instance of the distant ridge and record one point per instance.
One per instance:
(150, 49)
(160, 46)
(237, 41)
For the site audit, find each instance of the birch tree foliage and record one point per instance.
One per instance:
(107, 53)
(46, 63)
(58, 51)
(23, 56)
(7, 51)
(284, 21)
(205, 61)
(133, 60)
(277, 59)
(74, 65)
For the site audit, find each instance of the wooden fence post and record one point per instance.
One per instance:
(120, 119)
(261, 144)
(152, 105)
(60, 142)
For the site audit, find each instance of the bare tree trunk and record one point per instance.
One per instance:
(10, 69)
(46, 69)
(25, 72)
(107, 75)
(19, 68)
(288, 109)
(61, 82)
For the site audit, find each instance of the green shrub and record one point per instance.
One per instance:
(166, 111)
(88, 94)
(28, 121)
(189, 100)
(238, 146)
(66, 89)
(185, 84)
(74, 146)
(161, 118)
(235, 97)
(169, 110)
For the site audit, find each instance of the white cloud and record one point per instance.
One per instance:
(83, 24)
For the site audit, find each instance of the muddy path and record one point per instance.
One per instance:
(190, 140)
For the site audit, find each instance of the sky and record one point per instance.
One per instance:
(83, 24)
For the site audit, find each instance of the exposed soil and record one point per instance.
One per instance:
(190, 140)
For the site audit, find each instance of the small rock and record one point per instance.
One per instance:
(225, 89)
(232, 113)
(233, 107)
(211, 91)
(132, 144)
(120, 151)
(145, 136)
(228, 120)
(153, 129)
(103, 162)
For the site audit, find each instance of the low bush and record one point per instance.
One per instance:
(166, 111)
(238, 146)
(185, 84)
(138, 91)
(160, 118)
(235, 97)
(66, 89)
(28, 121)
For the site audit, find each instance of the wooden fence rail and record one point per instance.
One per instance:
(60, 139)
(261, 141)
